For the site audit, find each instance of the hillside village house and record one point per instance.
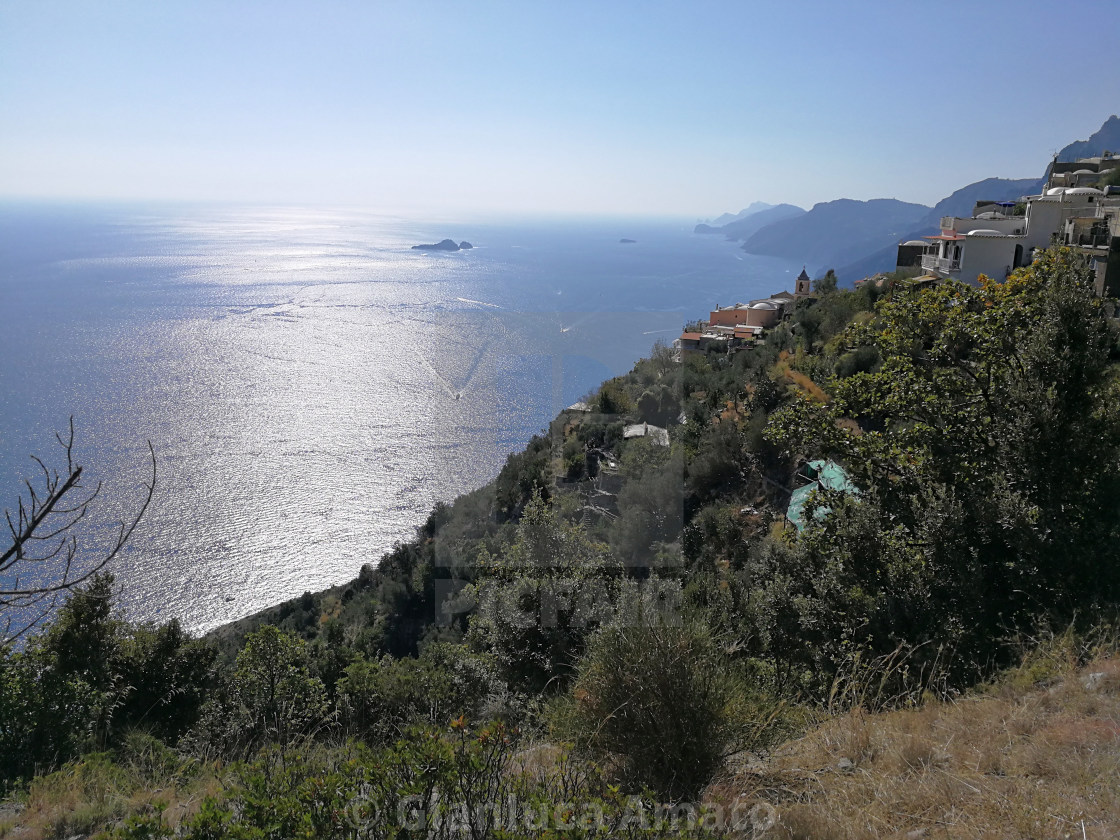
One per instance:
(742, 324)
(1002, 236)
(1081, 173)
(765, 312)
(1097, 235)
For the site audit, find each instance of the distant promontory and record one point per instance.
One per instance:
(444, 245)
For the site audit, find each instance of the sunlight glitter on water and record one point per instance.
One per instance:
(310, 384)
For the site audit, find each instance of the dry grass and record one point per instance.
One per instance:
(91, 794)
(1038, 760)
(1035, 755)
(783, 372)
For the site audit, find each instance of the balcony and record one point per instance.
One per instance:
(932, 262)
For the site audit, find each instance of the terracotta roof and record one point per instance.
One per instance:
(690, 336)
(947, 237)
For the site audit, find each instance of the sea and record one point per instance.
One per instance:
(310, 384)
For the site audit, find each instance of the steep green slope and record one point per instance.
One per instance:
(635, 613)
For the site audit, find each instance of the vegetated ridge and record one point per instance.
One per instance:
(836, 232)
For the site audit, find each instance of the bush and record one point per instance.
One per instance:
(613, 399)
(986, 446)
(89, 678)
(540, 597)
(168, 674)
(271, 697)
(658, 699)
(379, 700)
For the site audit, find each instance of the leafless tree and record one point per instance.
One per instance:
(42, 561)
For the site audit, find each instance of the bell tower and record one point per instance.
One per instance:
(804, 286)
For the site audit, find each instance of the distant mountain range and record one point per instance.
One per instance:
(860, 238)
(728, 218)
(744, 226)
(836, 232)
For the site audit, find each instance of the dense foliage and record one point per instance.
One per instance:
(91, 678)
(987, 447)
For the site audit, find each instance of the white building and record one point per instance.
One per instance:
(1096, 234)
(995, 243)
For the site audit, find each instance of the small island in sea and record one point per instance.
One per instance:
(444, 245)
(625, 241)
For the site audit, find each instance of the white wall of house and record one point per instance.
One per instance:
(1046, 215)
(1044, 219)
(990, 255)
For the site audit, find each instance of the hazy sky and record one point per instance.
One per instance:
(686, 108)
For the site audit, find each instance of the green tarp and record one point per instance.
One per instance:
(828, 474)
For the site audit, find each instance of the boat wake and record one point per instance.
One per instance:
(478, 302)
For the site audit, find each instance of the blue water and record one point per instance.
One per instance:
(311, 385)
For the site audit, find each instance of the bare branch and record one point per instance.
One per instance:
(41, 538)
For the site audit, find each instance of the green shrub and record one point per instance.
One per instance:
(89, 678)
(659, 699)
(540, 596)
(150, 759)
(378, 700)
(271, 697)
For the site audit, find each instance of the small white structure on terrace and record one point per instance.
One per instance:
(656, 434)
